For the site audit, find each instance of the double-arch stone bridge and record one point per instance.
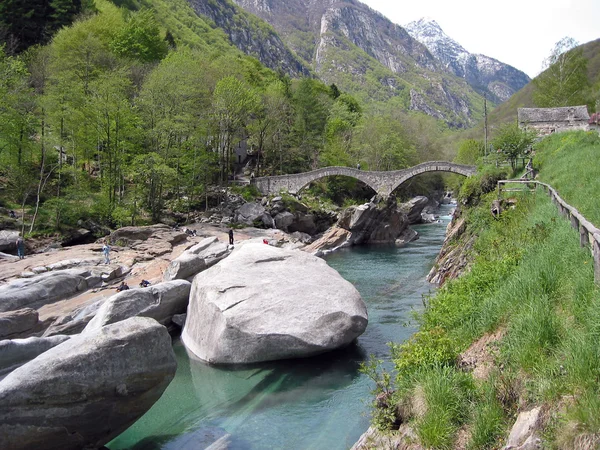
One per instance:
(384, 183)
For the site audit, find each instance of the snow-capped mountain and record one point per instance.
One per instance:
(486, 75)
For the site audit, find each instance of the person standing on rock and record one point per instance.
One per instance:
(231, 236)
(106, 252)
(20, 247)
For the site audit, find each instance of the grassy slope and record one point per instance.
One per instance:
(531, 279)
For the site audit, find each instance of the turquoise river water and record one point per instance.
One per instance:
(315, 403)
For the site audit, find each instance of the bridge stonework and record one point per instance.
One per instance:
(384, 183)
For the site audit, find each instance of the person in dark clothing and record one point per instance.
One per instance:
(20, 247)
(12, 214)
(122, 287)
(144, 283)
(231, 236)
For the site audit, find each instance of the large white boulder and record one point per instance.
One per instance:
(87, 390)
(263, 303)
(160, 302)
(16, 352)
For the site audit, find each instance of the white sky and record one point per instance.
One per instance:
(517, 32)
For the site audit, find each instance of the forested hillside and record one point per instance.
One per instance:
(131, 113)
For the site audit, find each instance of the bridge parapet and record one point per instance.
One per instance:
(384, 183)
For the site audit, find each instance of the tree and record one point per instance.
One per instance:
(233, 105)
(564, 82)
(140, 38)
(512, 141)
(469, 151)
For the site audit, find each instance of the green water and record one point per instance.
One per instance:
(317, 403)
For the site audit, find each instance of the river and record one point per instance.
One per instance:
(315, 403)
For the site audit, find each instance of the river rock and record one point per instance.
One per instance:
(160, 302)
(303, 223)
(249, 212)
(413, 208)
(13, 323)
(16, 352)
(196, 259)
(42, 289)
(264, 303)
(87, 390)
(132, 236)
(76, 321)
(283, 220)
(8, 240)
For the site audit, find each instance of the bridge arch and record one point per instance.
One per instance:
(384, 183)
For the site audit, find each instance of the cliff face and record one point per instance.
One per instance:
(487, 75)
(349, 44)
(251, 35)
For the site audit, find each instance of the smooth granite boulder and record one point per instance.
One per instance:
(263, 303)
(16, 352)
(87, 390)
(196, 259)
(160, 302)
(14, 323)
(42, 289)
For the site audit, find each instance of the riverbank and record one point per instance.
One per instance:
(512, 339)
(298, 404)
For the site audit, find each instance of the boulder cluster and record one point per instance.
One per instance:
(79, 378)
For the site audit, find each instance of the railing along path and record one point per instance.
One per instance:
(589, 235)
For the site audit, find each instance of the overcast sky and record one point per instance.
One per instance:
(517, 32)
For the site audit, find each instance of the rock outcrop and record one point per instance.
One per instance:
(413, 209)
(159, 302)
(200, 257)
(263, 303)
(16, 352)
(15, 323)
(365, 224)
(87, 390)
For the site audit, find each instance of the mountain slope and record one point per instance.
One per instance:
(353, 46)
(487, 75)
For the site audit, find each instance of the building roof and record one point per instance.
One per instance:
(562, 114)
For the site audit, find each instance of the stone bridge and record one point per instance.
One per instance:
(384, 183)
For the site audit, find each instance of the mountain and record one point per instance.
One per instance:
(487, 75)
(358, 49)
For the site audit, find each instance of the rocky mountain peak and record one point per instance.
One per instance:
(487, 75)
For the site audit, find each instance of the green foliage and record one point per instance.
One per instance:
(447, 393)
(480, 184)
(248, 192)
(426, 348)
(384, 407)
(140, 38)
(564, 162)
(469, 151)
(565, 81)
(513, 141)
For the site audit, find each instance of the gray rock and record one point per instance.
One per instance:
(283, 220)
(523, 433)
(8, 240)
(16, 352)
(42, 289)
(196, 259)
(263, 303)
(76, 321)
(160, 302)
(249, 212)
(202, 245)
(413, 208)
(184, 266)
(179, 320)
(304, 223)
(13, 323)
(87, 390)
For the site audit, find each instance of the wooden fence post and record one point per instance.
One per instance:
(596, 251)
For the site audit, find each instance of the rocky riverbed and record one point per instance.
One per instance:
(62, 319)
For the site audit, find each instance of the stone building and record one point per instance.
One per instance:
(554, 120)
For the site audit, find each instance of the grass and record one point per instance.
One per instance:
(529, 276)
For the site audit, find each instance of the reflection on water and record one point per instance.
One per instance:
(312, 403)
